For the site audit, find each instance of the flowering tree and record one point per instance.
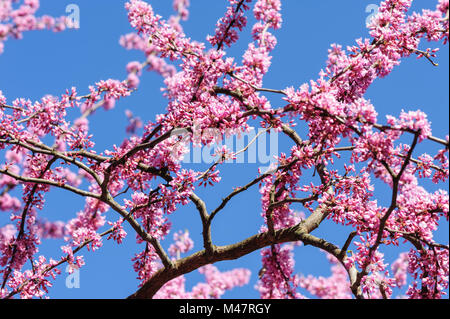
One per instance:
(144, 182)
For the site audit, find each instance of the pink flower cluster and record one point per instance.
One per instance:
(277, 280)
(182, 244)
(337, 286)
(235, 18)
(217, 283)
(16, 19)
(430, 270)
(181, 7)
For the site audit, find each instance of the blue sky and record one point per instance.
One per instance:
(49, 63)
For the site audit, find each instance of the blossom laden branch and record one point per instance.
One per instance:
(143, 180)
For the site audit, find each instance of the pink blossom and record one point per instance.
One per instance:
(182, 244)
(336, 286)
(15, 20)
(226, 27)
